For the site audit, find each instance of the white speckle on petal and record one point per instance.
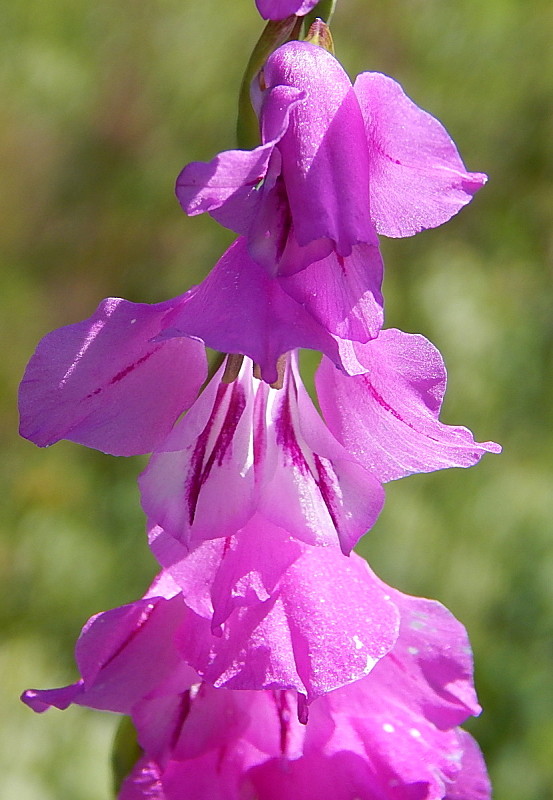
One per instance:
(370, 664)
(388, 728)
(357, 642)
(412, 651)
(415, 733)
(133, 321)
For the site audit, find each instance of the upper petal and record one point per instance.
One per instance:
(343, 293)
(324, 152)
(417, 178)
(388, 416)
(106, 384)
(279, 9)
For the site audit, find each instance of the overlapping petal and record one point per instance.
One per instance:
(244, 448)
(108, 382)
(342, 294)
(240, 308)
(388, 416)
(119, 380)
(158, 646)
(279, 9)
(325, 163)
(231, 180)
(327, 624)
(417, 178)
(390, 734)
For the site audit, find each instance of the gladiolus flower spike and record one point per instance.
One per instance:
(267, 661)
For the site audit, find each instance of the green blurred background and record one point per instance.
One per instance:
(102, 104)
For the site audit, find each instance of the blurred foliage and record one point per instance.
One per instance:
(103, 103)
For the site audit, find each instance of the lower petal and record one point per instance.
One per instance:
(280, 643)
(387, 417)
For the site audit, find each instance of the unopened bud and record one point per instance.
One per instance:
(319, 34)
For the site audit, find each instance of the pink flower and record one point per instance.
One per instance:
(279, 9)
(245, 450)
(337, 164)
(392, 734)
(251, 466)
(247, 460)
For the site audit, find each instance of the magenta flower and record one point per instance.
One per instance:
(392, 734)
(279, 9)
(119, 380)
(246, 449)
(337, 164)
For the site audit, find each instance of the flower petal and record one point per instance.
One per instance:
(324, 153)
(343, 293)
(221, 575)
(230, 181)
(472, 782)
(124, 655)
(143, 783)
(278, 644)
(239, 308)
(106, 384)
(431, 670)
(309, 484)
(199, 484)
(279, 9)
(388, 417)
(417, 178)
